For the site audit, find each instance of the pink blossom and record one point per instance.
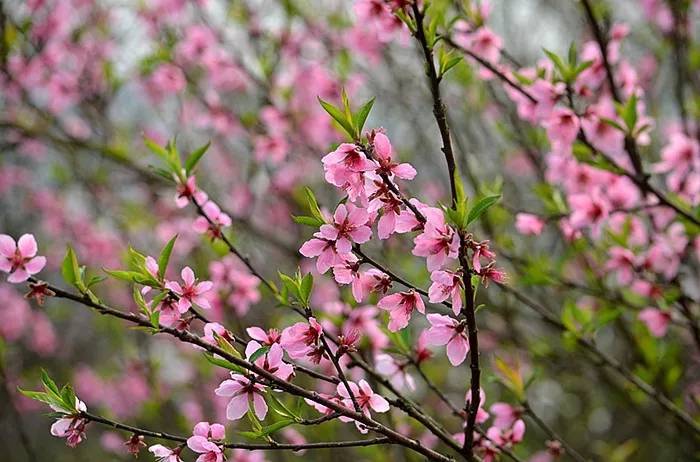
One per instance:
(400, 307)
(169, 78)
(271, 361)
(366, 399)
(203, 442)
(190, 292)
(562, 128)
(266, 338)
(395, 370)
(527, 223)
(446, 284)
(588, 210)
(185, 192)
(218, 218)
(344, 168)
(165, 454)
(480, 250)
(447, 331)
(507, 437)
(492, 273)
(301, 338)
(657, 321)
(623, 262)
(383, 152)
(505, 415)
(348, 272)
(364, 319)
(242, 391)
(438, 242)
(20, 259)
(349, 225)
(483, 42)
(371, 281)
(212, 330)
(325, 251)
(71, 427)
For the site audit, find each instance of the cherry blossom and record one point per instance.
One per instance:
(656, 320)
(446, 284)
(203, 442)
(242, 392)
(400, 307)
(20, 259)
(447, 331)
(300, 339)
(191, 292)
(366, 399)
(438, 241)
(165, 454)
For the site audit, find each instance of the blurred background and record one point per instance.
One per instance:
(84, 81)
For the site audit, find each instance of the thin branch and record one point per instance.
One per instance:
(187, 337)
(248, 446)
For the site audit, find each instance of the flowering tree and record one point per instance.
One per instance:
(383, 228)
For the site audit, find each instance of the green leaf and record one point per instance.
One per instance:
(279, 407)
(482, 206)
(628, 112)
(305, 288)
(164, 257)
(156, 149)
(259, 353)
(275, 427)
(360, 117)
(220, 362)
(313, 204)
(155, 319)
(339, 117)
(194, 157)
(37, 396)
(125, 275)
(70, 270)
(308, 221)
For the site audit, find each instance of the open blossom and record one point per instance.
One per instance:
(242, 392)
(70, 427)
(588, 210)
(301, 338)
(344, 169)
(366, 399)
(395, 370)
(188, 190)
(218, 220)
(507, 437)
(562, 128)
(165, 454)
(446, 284)
(190, 292)
(438, 242)
(20, 259)
(349, 225)
(213, 330)
(203, 442)
(447, 331)
(505, 415)
(270, 361)
(656, 320)
(529, 224)
(333, 242)
(383, 151)
(266, 338)
(400, 307)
